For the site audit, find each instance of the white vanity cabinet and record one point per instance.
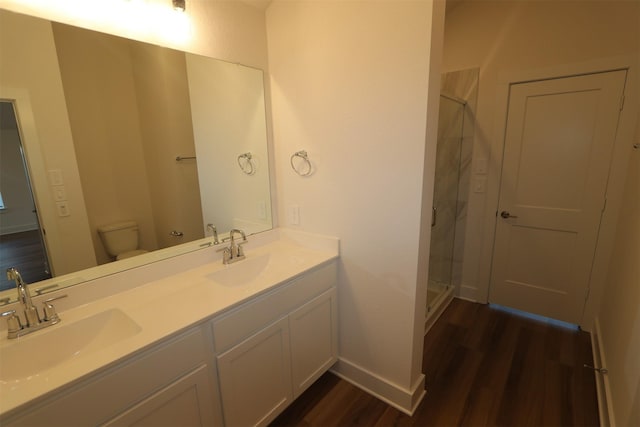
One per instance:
(172, 381)
(270, 350)
(240, 367)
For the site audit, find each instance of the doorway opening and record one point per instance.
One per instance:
(22, 243)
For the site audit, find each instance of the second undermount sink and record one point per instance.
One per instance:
(29, 355)
(242, 272)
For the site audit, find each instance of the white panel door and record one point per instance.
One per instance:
(558, 145)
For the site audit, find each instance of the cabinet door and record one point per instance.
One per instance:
(255, 377)
(186, 402)
(314, 340)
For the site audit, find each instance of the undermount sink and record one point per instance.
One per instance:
(29, 355)
(241, 272)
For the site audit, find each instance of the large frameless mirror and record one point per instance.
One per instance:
(103, 136)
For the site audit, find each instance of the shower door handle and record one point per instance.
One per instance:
(434, 215)
(506, 214)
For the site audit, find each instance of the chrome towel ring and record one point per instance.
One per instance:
(245, 163)
(301, 166)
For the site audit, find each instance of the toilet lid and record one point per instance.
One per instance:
(131, 254)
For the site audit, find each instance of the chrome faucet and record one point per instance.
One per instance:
(214, 232)
(234, 252)
(30, 311)
(33, 322)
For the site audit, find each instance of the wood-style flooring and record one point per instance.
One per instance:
(483, 367)
(25, 252)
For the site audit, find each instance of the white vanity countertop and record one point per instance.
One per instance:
(176, 301)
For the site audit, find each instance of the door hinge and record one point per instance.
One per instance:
(604, 206)
(622, 103)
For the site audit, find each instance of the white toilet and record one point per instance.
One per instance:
(120, 239)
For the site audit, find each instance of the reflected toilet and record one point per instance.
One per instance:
(120, 239)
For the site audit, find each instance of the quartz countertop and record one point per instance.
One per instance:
(172, 303)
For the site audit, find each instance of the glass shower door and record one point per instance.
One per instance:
(445, 199)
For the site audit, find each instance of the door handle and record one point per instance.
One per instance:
(506, 214)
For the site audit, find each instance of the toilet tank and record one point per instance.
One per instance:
(119, 237)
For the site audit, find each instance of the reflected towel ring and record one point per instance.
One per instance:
(247, 165)
(303, 155)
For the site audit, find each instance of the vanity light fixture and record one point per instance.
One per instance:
(179, 5)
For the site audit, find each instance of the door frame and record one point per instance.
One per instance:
(617, 175)
(34, 162)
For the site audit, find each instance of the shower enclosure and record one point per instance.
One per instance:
(445, 202)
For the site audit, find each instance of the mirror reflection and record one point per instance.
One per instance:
(116, 153)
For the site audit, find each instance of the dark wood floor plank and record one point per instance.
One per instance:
(483, 367)
(25, 252)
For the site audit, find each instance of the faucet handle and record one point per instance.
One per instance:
(49, 310)
(241, 249)
(226, 254)
(13, 321)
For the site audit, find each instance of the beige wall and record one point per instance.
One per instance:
(526, 39)
(350, 84)
(101, 98)
(31, 76)
(619, 318)
(130, 117)
(162, 93)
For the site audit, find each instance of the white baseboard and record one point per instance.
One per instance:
(437, 310)
(400, 398)
(603, 387)
(468, 293)
(20, 228)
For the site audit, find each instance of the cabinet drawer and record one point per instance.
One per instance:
(251, 317)
(102, 396)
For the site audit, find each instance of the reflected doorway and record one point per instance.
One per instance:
(21, 237)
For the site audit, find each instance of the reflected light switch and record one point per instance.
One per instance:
(59, 193)
(479, 184)
(481, 166)
(63, 209)
(55, 177)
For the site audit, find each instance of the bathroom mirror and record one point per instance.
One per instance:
(127, 131)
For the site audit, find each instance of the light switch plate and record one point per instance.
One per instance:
(481, 166)
(479, 184)
(55, 177)
(63, 209)
(59, 193)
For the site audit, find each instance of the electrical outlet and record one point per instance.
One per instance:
(294, 215)
(262, 210)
